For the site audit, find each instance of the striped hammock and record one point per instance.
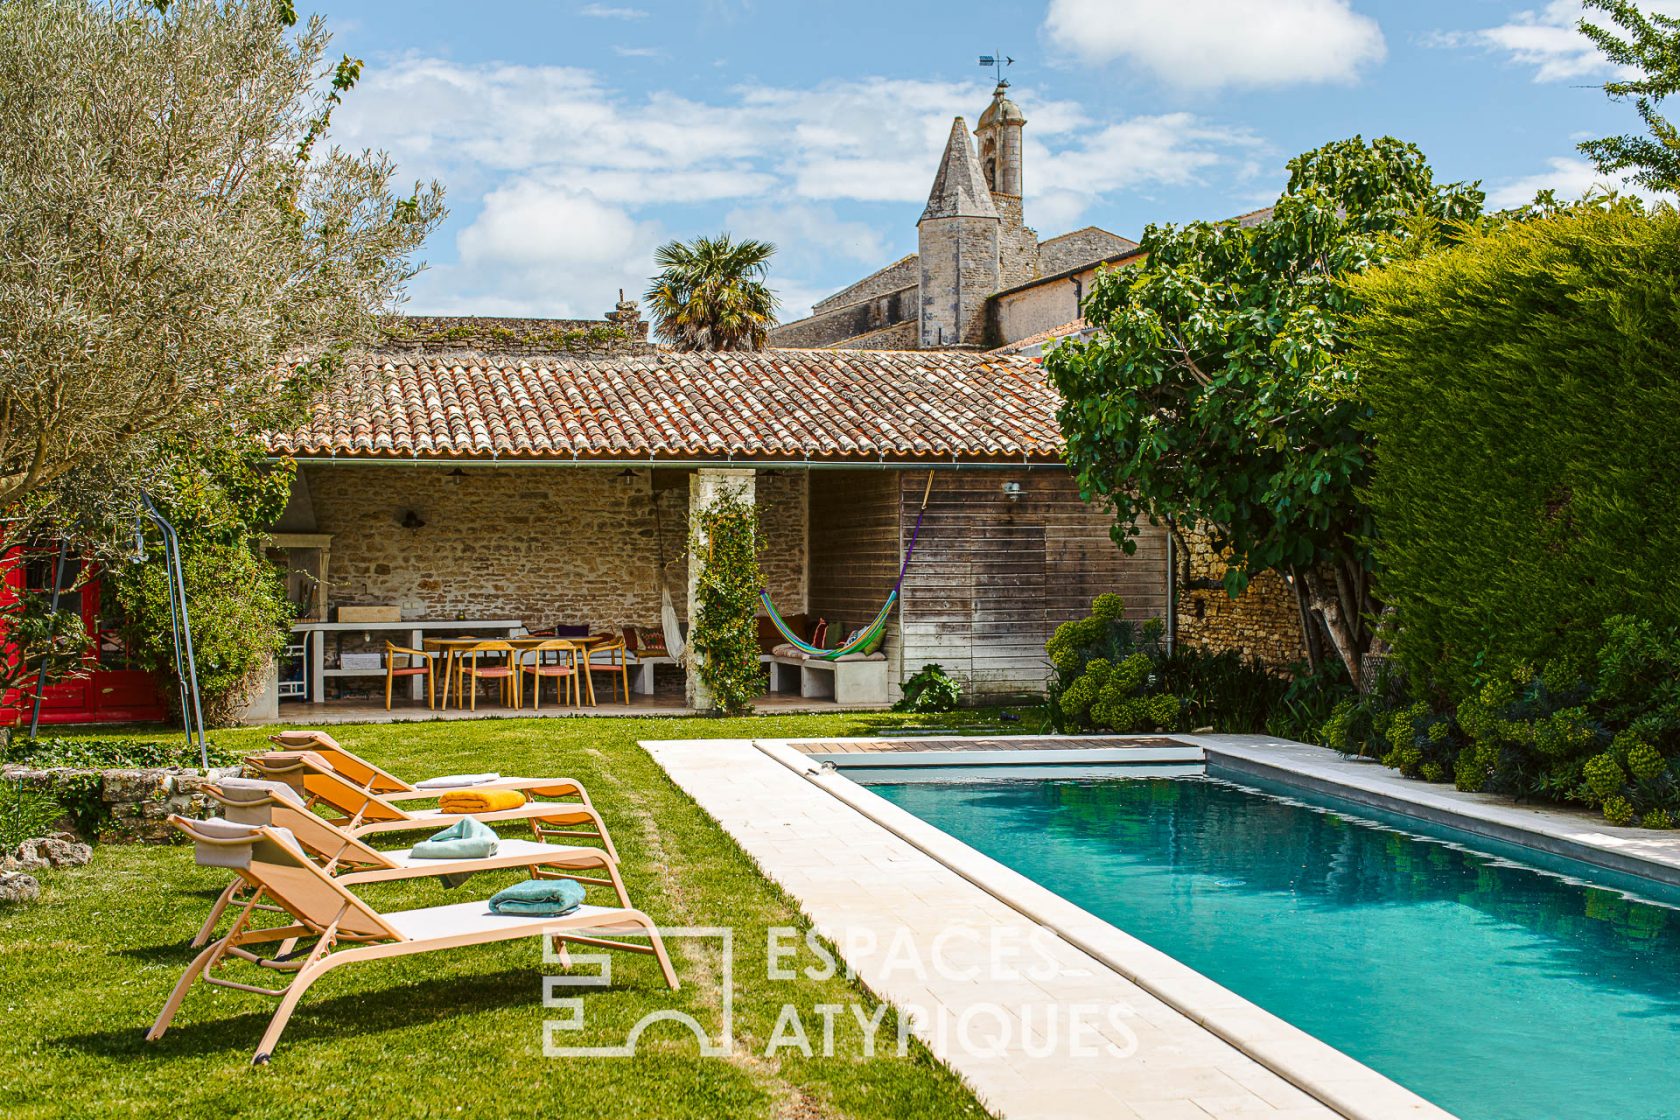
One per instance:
(868, 636)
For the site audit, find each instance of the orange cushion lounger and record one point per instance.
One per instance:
(330, 927)
(339, 853)
(364, 813)
(480, 801)
(371, 777)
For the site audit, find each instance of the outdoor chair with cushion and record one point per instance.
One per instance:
(415, 663)
(535, 661)
(326, 926)
(502, 670)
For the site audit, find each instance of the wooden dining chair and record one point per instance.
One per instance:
(469, 672)
(564, 668)
(617, 664)
(415, 663)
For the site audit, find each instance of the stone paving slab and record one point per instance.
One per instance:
(857, 879)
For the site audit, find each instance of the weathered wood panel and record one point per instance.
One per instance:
(998, 569)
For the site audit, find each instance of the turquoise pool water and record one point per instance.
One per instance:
(1498, 991)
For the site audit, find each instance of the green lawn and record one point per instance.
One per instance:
(83, 972)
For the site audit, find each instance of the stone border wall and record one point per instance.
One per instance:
(135, 804)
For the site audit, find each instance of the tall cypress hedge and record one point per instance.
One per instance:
(1526, 397)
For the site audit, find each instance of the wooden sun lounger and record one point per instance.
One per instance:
(345, 930)
(366, 813)
(375, 779)
(351, 861)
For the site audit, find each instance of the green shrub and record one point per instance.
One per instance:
(1524, 387)
(25, 814)
(110, 754)
(930, 690)
(1107, 674)
(1601, 731)
(724, 632)
(1225, 690)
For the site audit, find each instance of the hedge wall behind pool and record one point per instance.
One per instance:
(1526, 388)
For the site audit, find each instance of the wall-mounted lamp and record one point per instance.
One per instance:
(411, 520)
(455, 477)
(1012, 491)
(626, 475)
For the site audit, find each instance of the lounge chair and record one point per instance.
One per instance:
(345, 930)
(375, 779)
(350, 861)
(366, 813)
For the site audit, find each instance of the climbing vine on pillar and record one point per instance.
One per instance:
(724, 632)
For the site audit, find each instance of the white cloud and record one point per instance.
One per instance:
(1210, 44)
(1549, 39)
(1571, 178)
(638, 52)
(540, 247)
(607, 11)
(560, 177)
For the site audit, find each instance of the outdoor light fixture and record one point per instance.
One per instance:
(411, 520)
(455, 477)
(626, 475)
(1012, 491)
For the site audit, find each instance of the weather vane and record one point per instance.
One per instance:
(998, 62)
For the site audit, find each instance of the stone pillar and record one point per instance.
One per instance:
(705, 486)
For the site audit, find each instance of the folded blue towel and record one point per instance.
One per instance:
(465, 839)
(538, 898)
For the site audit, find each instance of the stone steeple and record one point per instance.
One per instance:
(957, 246)
(960, 189)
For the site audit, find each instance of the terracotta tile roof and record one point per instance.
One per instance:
(775, 405)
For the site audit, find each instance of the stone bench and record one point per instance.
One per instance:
(858, 681)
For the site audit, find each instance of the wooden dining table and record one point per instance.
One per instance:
(450, 649)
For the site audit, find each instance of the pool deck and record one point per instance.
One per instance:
(886, 888)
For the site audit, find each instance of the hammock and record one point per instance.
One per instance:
(868, 636)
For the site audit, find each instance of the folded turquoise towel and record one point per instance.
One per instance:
(538, 898)
(465, 839)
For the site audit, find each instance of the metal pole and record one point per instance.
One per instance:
(52, 637)
(186, 667)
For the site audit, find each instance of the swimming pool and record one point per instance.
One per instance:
(1497, 990)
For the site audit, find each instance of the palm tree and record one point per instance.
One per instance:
(710, 294)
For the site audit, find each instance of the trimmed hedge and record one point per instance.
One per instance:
(1525, 387)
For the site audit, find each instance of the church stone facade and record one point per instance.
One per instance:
(972, 246)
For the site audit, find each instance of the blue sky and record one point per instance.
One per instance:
(573, 137)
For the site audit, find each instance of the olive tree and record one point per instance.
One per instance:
(1217, 395)
(171, 227)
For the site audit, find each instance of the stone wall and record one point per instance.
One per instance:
(1263, 622)
(895, 277)
(1017, 245)
(833, 327)
(1080, 248)
(899, 336)
(959, 259)
(545, 544)
(134, 804)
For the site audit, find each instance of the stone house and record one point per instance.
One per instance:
(475, 470)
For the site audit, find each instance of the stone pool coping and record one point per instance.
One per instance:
(1340, 1082)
